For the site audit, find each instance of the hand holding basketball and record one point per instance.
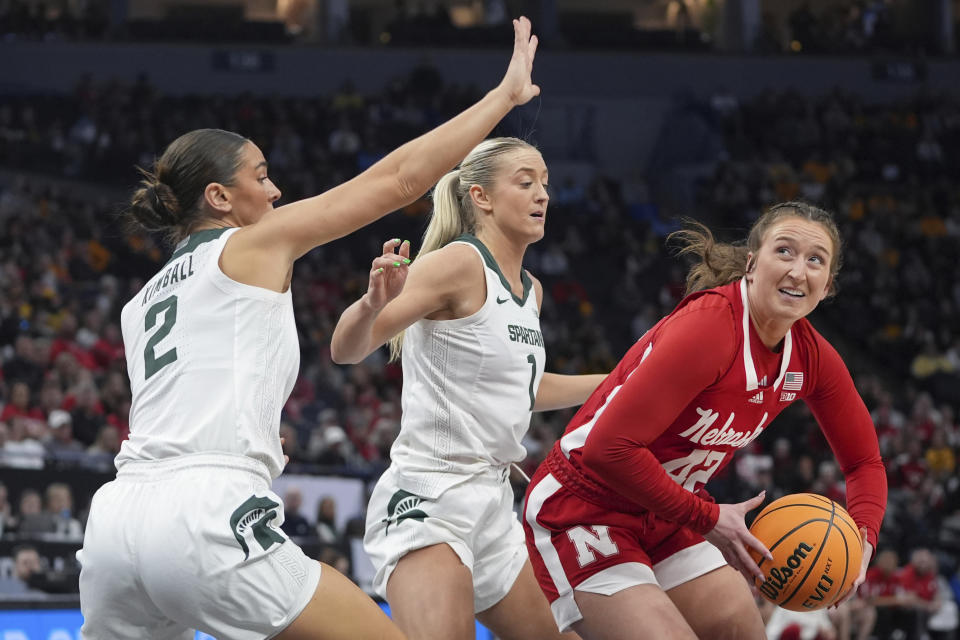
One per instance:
(864, 564)
(817, 552)
(731, 537)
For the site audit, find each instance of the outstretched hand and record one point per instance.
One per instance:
(517, 82)
(731, 537)
(388, 273)
(862, 576)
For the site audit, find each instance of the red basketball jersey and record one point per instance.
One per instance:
(696, 388)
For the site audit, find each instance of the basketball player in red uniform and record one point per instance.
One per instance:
(625, 541)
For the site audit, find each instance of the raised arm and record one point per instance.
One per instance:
(401, 177)
(445, 283)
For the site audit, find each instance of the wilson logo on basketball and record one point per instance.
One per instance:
(779, 578)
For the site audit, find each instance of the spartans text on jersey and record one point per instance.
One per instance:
(525, 335)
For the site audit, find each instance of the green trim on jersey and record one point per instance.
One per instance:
(492, 264)
(196, 239)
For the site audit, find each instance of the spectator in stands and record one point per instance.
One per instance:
(7, 519)
(34, 521)
(294, 522)
(26, 564)
(882, 588)
(783, 624)
(327, 521)
(86, 413)
(23, 365)
(19, 405)
(333, 448)
(919, 597)
(107, 442)
(23, 447)
(59, 506)
(60, 443)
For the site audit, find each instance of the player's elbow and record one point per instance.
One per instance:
(339, 355)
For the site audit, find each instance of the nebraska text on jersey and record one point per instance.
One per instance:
(701, 433)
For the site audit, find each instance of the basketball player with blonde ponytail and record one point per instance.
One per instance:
(465, 319)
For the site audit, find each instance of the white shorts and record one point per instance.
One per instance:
(188, 543)
(475, 518)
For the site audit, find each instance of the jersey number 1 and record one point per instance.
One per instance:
(533, 376)
(151, 361)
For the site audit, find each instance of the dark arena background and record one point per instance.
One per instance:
(651, 111)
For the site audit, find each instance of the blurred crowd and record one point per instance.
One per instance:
(898, 27)
(888, 172)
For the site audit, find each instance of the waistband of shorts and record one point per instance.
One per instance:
(585, 487)
(158, 469)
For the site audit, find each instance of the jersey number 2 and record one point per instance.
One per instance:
(151, 361)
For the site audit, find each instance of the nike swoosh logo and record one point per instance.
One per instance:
(499, 301)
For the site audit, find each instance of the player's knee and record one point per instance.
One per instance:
(736, 624)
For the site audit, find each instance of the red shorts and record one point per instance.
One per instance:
(575, 544)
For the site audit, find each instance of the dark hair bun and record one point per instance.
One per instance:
(154, 206)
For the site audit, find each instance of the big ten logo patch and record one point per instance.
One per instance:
(255, 522)
(596, 539)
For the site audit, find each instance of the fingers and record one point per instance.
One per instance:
(390, 260)
(394, 248)
(754, 502)
(755, 544)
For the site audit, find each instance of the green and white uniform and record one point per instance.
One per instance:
(188, 535)
(468, 390)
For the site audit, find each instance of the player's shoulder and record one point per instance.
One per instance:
(806, 336)
(710, 305)
(451, 257)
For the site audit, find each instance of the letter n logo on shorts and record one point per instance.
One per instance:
(587, 542)
(254, 516)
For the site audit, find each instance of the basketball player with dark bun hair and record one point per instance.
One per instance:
(625, 541)
(188, 536)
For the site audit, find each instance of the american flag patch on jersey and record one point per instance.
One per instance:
(793, 381)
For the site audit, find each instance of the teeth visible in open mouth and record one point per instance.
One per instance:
(792, 292)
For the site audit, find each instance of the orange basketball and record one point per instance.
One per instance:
(816, 547)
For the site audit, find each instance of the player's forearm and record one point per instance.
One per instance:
(558, 391)
(634, 472)
(418, 164)
(351, 341)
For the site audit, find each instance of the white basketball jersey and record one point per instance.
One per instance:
(468, 387)
(211, 361)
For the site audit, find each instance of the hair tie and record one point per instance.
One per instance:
(160, 208)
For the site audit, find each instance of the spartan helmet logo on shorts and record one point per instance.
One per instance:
(402, 506)
(254, 518)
